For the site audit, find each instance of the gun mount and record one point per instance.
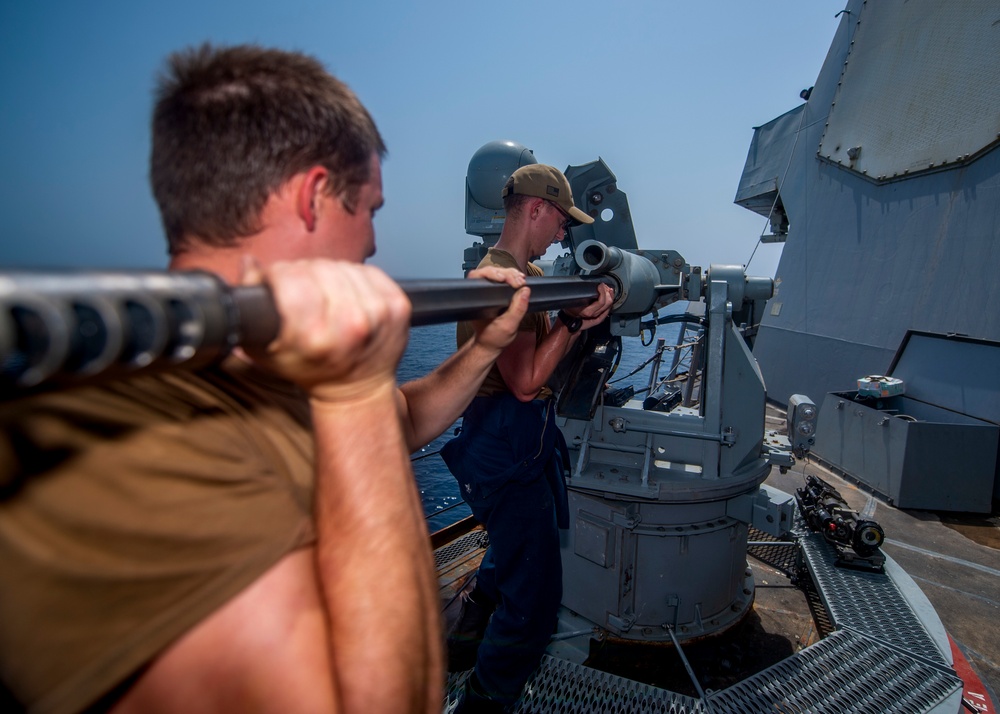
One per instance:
(661, 498)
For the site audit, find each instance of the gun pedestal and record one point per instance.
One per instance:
(661, 502)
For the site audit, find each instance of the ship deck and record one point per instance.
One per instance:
(836, 624)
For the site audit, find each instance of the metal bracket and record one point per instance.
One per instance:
(624, 623)
(627, 521)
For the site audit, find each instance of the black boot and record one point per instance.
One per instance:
(475, 701)
(467, 635)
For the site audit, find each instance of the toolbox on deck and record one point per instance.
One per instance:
(934, 446)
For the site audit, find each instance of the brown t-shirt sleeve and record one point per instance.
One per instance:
(141, 508)
(535, 322)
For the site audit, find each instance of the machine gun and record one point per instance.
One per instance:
(855, 539)
(64, 329)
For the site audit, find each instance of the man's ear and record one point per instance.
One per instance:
(536, 207)
(312, 186)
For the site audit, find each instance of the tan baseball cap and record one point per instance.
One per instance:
(548, 182)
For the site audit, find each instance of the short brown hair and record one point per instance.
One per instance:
(513, 203)
(232, 124)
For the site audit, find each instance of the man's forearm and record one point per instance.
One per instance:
(551, 351)
(432, 403)
(527, 367)
(374, 560)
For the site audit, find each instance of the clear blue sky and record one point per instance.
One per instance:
(667, 93)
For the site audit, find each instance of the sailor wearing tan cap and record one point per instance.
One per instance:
(508, 462)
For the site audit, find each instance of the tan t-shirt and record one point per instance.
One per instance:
(537, 322)
(133, 511)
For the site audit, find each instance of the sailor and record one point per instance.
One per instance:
(507, 463)
(247, 537)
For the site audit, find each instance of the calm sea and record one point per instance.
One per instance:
(431, 345)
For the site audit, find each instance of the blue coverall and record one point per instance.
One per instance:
(508, 460)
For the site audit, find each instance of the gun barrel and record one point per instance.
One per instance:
(433, 302)
(437, 301)
(73, 327)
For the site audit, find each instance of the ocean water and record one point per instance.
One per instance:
(431, 345)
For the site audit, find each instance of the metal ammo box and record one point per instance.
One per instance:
(933, 447)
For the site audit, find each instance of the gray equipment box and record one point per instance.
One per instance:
(935, 446)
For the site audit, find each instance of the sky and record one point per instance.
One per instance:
(666, 93)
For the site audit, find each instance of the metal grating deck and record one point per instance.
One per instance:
(843, 673)
(561, 687)
(461, 546)
(780, 556)
(866, 602)
(879, 658)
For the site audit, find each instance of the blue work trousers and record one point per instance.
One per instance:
(522, 573)
(522, 570)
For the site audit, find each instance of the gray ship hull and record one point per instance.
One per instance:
(889, 179)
